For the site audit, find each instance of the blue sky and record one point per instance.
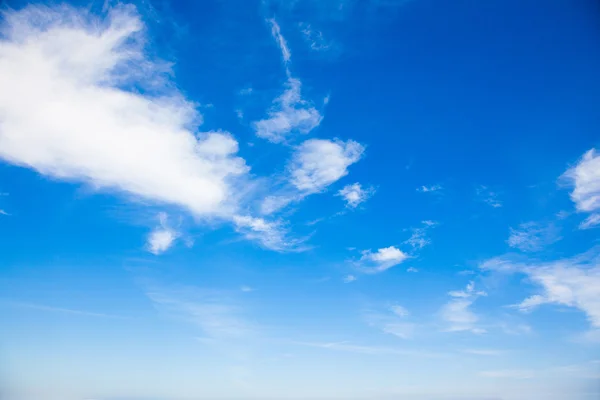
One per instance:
(300, 199)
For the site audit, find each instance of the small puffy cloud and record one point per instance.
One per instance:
(429, 189)
(354, 194)
(572, 282)
(317, 163)
(487, 196)
(67, 111)
(532, 236)
(162, 237)
(349, 278)
(457, 312)
(381, 260)
(270, 234)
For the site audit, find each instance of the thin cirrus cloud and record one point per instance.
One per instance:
(418, 238)
(65, 112)
(354, 194)
(381, 260)
(271, 235)
(290, 113)
(429, 189)
(162, 237)
(457, 313)
(533, 236)
(585, 180)
(488, 196)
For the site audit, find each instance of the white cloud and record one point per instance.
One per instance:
(590, 221)
(457, 313)
(270, 234)
(2, 212)
(66, 112)
(383, 259)
(247, 289)
(162, 237)
(289, 114)
(488, 197)
(354, 194)
(572, 282)
(532, 236)
(585, 178)
(427, 189)
(317, 163)
(412, 269)
(276, 32)
(349, 278)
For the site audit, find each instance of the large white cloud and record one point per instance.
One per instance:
(585, 179)
(65, 112)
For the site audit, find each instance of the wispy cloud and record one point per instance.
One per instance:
(419, 238)
(354, 194)
(349, 278)
(572, 282)
(215, 313)
(162, 237)
(272, 235)
(41, 307)
(429, 189)
(533, 236)
(508, 374)
(370, 350)
(290, 113)
(315, 38)
(381, 260)
(584, 177)
(484, 352)
(487, 196)
(457, 312)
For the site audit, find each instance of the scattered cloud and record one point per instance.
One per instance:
(381, 260)
(487, 196)
(457, 313)
(572, 282)
(532, 236)
(429, 189)
(354, 194)
(271, 235)
(162, 237)
(349, 278)
(412, 269)
(317, 163)
(67, 112)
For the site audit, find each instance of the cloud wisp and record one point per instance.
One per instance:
(457, 313)
(532, 236)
